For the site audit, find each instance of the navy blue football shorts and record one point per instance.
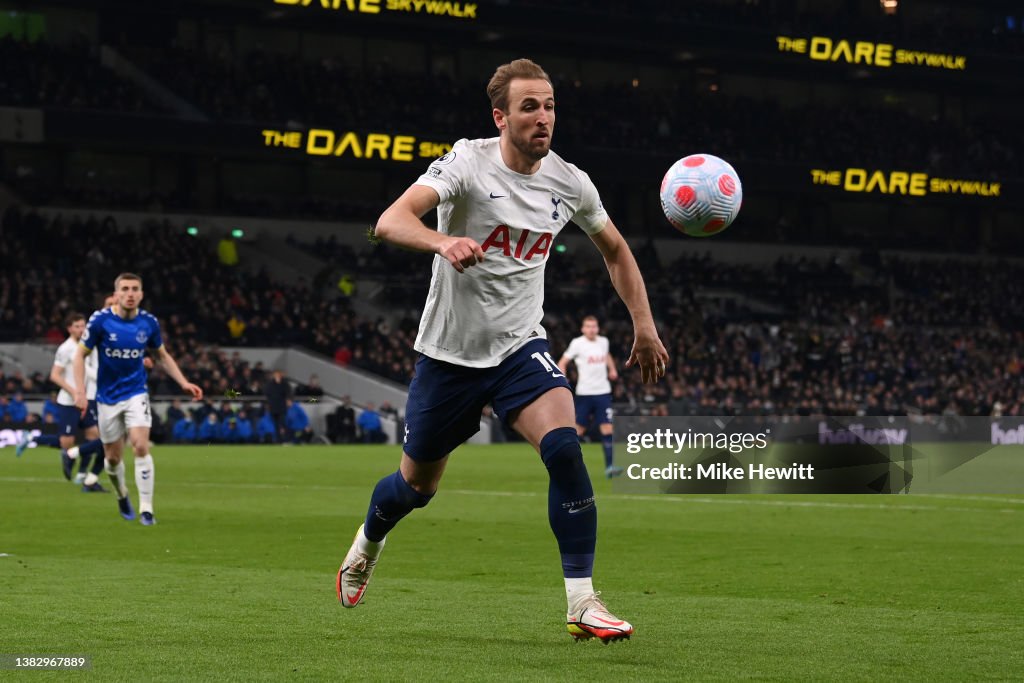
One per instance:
(445, 400)
(596, 409)
(70, 419)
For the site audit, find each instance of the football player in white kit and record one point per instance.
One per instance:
(70, 419)
(595, 371)
(500, 203)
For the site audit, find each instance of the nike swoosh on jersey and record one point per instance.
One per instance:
(496, 196)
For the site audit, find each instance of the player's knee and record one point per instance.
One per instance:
(410, 496)
(560, 448)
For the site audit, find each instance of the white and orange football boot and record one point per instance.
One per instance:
(589, 618)
(355, 572)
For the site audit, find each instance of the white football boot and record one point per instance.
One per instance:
(355, 573)
(589, 618)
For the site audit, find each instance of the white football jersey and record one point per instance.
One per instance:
(65, 359)
(591, 365)
(480, 317)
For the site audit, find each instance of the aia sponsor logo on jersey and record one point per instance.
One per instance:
(528, 245)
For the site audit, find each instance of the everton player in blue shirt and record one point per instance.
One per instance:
(120, 335)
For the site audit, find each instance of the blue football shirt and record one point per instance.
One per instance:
(121, 345)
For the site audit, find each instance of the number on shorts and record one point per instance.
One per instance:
(548, 362)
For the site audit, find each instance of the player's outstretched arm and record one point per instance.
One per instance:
(171, 366)
(648, 351)
(78, 367)
(563, 364)
(400, 225)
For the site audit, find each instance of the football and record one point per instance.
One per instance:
(701, 195)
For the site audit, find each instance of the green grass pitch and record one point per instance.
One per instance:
(236, 582)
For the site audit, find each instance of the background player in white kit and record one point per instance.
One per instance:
(500, 203)
(595, 371)
(120, 335)
(70, 420)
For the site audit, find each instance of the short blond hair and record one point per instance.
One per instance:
(127, 276)
(497, 87)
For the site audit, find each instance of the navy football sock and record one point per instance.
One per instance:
(86, 451)
(392, 500)
(51, 440)
(99, 459)
(571, 508)
(90, 447)
(606, 444)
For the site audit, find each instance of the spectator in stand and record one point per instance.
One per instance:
(312, 389)
(50, 408)
(341, 424)
(245, 433)
(266, 430)
(184, 430)
(209, 430)
(174, 413)
(370, 427)
(229, 431)
(297, 423)
(5, 409)
(17, 410)
(278, 391)
(226, 411)
(388, 410)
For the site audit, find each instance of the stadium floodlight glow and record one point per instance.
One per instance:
(889, 6)
(192, 230)
(238, 234)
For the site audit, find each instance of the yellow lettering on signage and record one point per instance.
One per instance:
(855, 179)
(918, 183)
(369, 6)
(319, 141)
(883, 54)
(863, 51)
(787, 44)
(401, 147)
(821, 48)
(822, 177)
(377, 142)
(350, 140)
(432, 150)
(842, 50)
(877, 180)
(898, 181)
(274, 138)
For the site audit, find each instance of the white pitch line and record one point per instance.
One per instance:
(663, 497)
(956, 496)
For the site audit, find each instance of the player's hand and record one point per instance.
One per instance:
(147, 362)
(650, 354)
(195, 390)
(81, 402)
(612, 375)
(461, 252)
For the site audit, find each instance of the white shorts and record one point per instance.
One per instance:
(118, 418)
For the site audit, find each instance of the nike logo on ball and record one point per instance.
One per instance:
(496, 196)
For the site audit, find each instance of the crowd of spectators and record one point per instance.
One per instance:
(847, 335)
(70, 76)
